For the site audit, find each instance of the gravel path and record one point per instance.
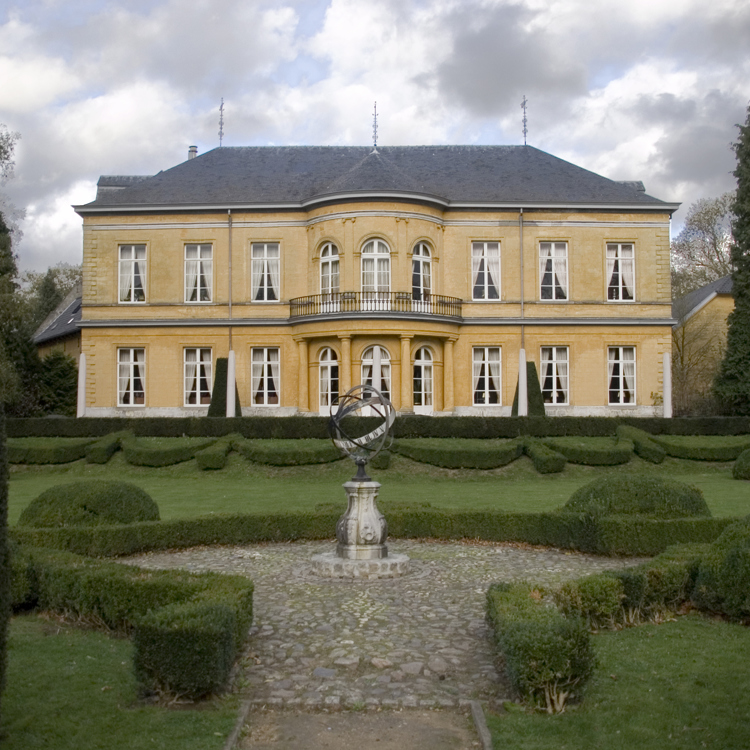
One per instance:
(420, 641)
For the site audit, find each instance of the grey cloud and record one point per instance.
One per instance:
(495, 61)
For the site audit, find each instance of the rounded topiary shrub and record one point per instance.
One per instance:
(741, 468)
(649, 496)
(89, 503)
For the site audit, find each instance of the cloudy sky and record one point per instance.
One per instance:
(643, 89)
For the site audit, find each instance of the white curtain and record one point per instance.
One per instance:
(426, 278)
(545, 264)
(257, 375)
(628, 280)
(477, 369)
(494, 364)
(613, 360)
(191, 281)
(139, 375)
(562, 373)
(274, 271)
(385, 379)
(274, 366)
(207, 369)
(476, 263)
(611, 260)
(561, 268)
(384, 276)
(191, 370)
(258, 269)
(493, 268)
(368, 274)
(139, 280)
(628, 374)
(547, 370)
(126, 270)
(207, 268)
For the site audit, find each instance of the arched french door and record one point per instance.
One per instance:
(328, 380)
(376, 276)
(376, 370)
(329, 278)
(421, 278)
(423, 381)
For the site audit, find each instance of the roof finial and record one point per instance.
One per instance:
(221, 122)
(375, 128)
(523, 107)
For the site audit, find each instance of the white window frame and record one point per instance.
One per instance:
(131, 370)
(423, 382)
(486, 260)
(421, 272)
(265, 274)
(328, 380)
(553, 260)
(199, 272)
(368, 365)
(197, 371)
(265, 376)
(329, 270)
(130, 269)
(375, 274)
(555, 366)
(616, 364)
(482, 359)
(616, 262)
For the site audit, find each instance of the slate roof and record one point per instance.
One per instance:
(294, 176)
(62, 321)
(684, 306)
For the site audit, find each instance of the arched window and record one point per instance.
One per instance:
(376, 369)
(329, 270)
(423, 381)
(421, 273)
(376, 275)
(329, 380)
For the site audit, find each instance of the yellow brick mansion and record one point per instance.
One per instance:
(430, 272)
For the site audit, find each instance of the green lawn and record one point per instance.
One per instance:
(69, 689)
(683, 685)
(184, 491)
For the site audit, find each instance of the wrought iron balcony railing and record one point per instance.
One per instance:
(367, 302)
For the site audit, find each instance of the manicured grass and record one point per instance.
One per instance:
(184, 491)
(682, 685)
(72, 689)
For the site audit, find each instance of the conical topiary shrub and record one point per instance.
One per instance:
(218, 407)
(533, 393)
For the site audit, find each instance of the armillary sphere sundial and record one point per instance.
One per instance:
(362, 530)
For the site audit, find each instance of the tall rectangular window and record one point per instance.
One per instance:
(131, 377)
(266, 272)
(199, 273)
(553, 270)
(621, 373)
(485, 270)
(554, 374)
(198, 377)
(486, 375)
(265, 376)
(620, 271)
(132, 273)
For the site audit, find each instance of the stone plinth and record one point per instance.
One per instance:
(330, 565)
(362, 530)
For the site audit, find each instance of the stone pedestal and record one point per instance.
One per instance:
(362, 530)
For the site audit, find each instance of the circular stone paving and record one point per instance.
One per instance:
(419, 640)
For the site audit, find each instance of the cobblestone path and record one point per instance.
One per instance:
(416, 641)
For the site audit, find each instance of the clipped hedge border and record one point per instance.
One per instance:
(102, 450)
(187, 628)
(545, 459)
(49, 451)
(415, 426)
(463, 454)
(548, 657)
(139, 453)
(645, 446)
(741, 468)
(697, 450)
(620, 452)
(288, 453)
(616, 535)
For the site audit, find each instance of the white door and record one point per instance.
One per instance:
(423, 381)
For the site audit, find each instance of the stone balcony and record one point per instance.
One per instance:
(367, 303)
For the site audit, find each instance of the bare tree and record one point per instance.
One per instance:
(701, 251)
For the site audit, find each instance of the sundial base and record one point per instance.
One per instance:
(362, 531)
(330, 565)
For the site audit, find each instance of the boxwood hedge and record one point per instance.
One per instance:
(287, 452)
(460, 453)
(702, 448)
(163, 452)
(592, 451)
(741, 468)
(645, 447)
(46, 450)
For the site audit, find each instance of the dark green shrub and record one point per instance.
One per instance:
(592, 451)
(102, 450)
(6, 586)
(546, 460)
(723, 581)
(288, 452)
(459, 453)
(741, 468)
(645, 447)
(90, 502)
(634, 584)
(381, 461)
(596, 598)
(702, 448)
(548, 657)
(58, 384)
(650, 496)
(163, 451)
(534, 398)
(218, 405)
(47, 450)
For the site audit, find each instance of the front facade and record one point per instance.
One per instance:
(424, 271)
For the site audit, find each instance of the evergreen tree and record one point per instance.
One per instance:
(218, 406)
(59, 385)
(5, 582)
(732, 385)
(534, 398)
(48, 298)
